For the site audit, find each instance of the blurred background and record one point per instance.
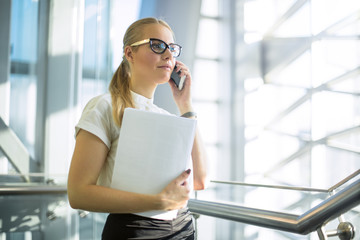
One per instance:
(276, 88)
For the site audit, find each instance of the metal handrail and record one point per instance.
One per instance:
(312, 220)
(32, 189)
(334, 206)
(307, 189)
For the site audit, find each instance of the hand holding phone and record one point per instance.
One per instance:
(179, 81)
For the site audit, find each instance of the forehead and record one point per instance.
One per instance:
(158, 31)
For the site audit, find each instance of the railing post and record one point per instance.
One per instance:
(322, 233)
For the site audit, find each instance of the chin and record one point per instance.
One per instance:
(163, 80)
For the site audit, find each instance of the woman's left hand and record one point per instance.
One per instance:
(182, 97)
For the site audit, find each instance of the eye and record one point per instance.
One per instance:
(175, 48)
(158, 46)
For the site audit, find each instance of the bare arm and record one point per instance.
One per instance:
(199, 157)
(183, 101)
(89, 156)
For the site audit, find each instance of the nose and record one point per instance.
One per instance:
(167, 54)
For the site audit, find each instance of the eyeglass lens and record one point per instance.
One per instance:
(160, 47)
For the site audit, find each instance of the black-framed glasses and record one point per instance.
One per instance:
(159, 46)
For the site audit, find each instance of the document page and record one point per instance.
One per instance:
(153, 150)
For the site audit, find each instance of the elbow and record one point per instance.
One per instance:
(200, 184)
(73, 204)
(72, 198)
(198, 187)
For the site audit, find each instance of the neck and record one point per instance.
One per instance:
(146, 90)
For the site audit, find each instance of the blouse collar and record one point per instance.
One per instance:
(139, 99)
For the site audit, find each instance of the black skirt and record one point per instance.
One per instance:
(131, 226)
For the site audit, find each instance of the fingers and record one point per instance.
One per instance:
(183, 68)
(176, 194)
(181, 179)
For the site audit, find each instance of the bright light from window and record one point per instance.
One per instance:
(209, 8)
(207, 45)
(206, 80)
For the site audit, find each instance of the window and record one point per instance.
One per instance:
(23, 79)
(290, 103)
(301, 120)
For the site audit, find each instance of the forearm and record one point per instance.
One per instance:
(184, 104)
(199, 156)
(96, 198)
(89, 155)
(200, 165)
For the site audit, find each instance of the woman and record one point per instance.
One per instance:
(149, 59)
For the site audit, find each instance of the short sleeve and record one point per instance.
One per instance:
(97, 119)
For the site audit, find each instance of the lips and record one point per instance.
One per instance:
(165, 67)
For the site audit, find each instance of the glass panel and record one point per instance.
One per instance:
(206, 80)
(23, 109)
(260, 15)
(24, 29)
(332, 58)
(253, 232)
(266, 151)
(207, 45)
(92, 88)
(121, 16)
(323, 156)
(96, 64)
(213, 158)
(46, 216)
(252, 84)
(325, 14)
(350, 27)
(296, 123)
(333, 112)
(27, 216)
(289, 130)
(23, 79)
(298, 25)
(301, 66)
(3, 163)
(208, 120)
(293, 171)
(262, 106)
(90, 39)
(347, 141)
(278, 200)
(209, 8)
(351, 85)
(91, 226)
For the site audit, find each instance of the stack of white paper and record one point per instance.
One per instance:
(153, 150)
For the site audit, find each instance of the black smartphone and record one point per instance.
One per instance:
(179, 81)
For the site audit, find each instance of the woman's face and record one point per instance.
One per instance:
(149, 68)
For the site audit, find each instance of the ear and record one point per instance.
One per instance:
(128, 52)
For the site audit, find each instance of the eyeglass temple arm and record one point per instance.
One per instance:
(140, 42)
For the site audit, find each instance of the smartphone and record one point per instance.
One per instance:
(179, 81)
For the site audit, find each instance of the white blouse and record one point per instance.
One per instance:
(97, 119)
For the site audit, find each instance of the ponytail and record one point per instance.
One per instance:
(120, 91)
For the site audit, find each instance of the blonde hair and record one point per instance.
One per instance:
(120, 83)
